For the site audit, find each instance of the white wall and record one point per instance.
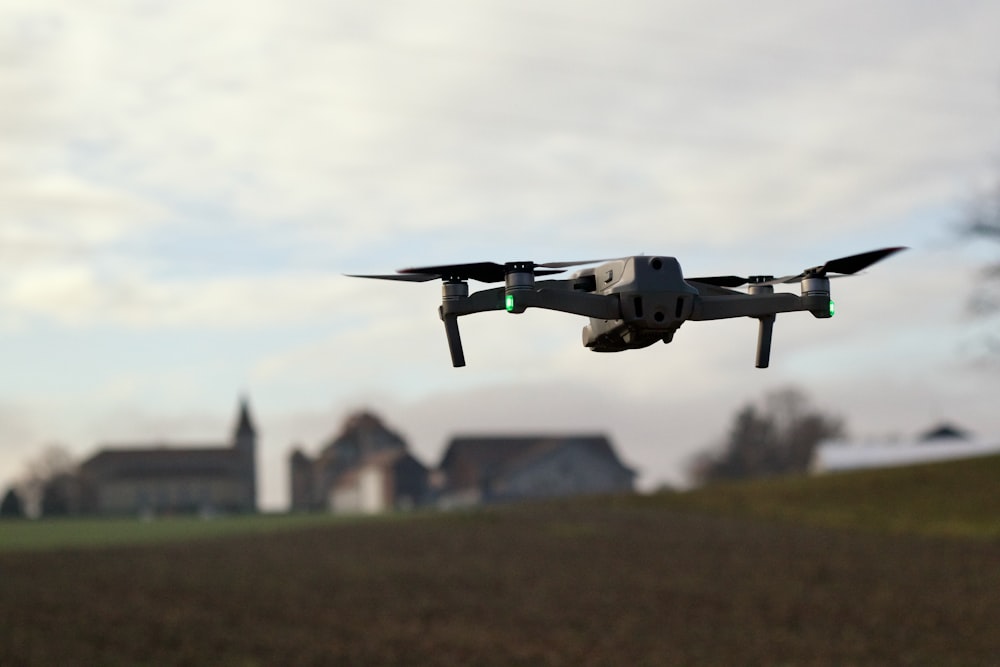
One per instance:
(837, 456)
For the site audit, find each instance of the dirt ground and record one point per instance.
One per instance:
(551, 585)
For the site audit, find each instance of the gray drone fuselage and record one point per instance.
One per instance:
(654, 300)
(632, 302)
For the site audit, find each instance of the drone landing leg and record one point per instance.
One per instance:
(454, 340)
(764, 340)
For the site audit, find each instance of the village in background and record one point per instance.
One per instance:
(365, 468)
(368, 468)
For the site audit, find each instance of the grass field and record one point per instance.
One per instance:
(102, 533)
(958, 498)
(890, 568)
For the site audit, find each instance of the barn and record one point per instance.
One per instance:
(492, 469)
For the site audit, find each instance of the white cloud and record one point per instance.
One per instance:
(208, 168)
(391, 121)
(80, 295)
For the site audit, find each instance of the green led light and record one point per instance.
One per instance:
(509, 303)
(833, 308)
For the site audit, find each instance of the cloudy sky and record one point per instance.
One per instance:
(184, 184)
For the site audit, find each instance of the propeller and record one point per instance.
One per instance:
(485, 272)
(845, 265)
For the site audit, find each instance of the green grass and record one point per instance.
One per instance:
(48, 534)
(957, 498)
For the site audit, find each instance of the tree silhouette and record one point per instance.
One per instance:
(983, 223)
(776, 437)
(51, 485)
(11, 507)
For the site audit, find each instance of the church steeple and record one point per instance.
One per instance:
(245, 444)
(244, 427)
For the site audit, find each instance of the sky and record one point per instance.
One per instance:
(183, 186)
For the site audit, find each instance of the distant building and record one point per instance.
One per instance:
(941, 443)
(489, 469)
(365, 468)
(164, 478)
(391, 480)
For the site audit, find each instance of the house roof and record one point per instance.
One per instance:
(471, 460)
(944, 432)
(161, 461)
(363, 434)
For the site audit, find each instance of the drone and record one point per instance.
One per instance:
(632, 302)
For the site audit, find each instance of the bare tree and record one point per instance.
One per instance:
(50, 484)
(983, 223)
(776, 437)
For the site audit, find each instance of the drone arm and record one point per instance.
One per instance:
(745, 305)
(560, 297)
(598, 306)
(480, 302)
(492, 299)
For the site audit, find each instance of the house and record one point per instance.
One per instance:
(941, 443)
(366, 467)
(489, 469)
(390, 480)
(158, 478)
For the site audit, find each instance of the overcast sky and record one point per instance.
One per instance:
(183, 184)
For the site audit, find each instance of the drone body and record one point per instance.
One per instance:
(632, 302)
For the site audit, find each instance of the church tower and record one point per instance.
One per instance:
(245, 445)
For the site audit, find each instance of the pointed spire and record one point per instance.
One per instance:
(244, 426)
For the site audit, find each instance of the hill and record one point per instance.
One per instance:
(957, 498)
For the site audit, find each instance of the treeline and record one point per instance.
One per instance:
(47, 488)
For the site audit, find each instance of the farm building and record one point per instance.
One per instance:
(488, 469)
(145, 478)
(365, 468)
(942, 443)
(390, 480)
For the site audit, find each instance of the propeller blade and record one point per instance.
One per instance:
(720, 281)
(855, 263)
(485, 272)
(566, 265)
(787, 280)
(784, 280)
(409, 277)
(844, 265)
(491, 272)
